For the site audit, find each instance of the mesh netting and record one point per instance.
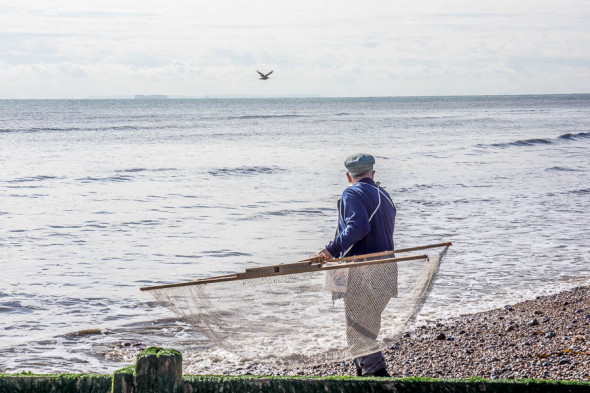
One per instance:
(304, 319)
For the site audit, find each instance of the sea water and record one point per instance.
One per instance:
(101, 197)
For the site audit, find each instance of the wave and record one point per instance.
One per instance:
(524, 142)
(109, 179)
(146, 127)
(582, 191)
(14, 307)
(245, 171)
(251, 117)
(291, 212)
(574, 137)
(188, 256)
(31, 179)
(225, 253)
(136, 170)
(562, 169)
(541, 141)
(348, 114)
(415, 187)
(39, 129)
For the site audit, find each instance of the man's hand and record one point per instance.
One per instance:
(324, 255)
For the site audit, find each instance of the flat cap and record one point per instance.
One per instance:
(359, 163)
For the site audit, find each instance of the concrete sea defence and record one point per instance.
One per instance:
(159, 370)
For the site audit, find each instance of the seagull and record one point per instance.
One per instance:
(263, 76)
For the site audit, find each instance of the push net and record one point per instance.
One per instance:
(308, 313)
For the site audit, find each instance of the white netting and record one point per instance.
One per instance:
(304, 319)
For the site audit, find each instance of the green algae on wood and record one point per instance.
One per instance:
(64, 383)
(124, 380)
(159, 370)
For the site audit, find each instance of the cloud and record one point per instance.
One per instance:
(331, 47)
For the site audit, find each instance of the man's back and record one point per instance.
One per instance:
(366, 220)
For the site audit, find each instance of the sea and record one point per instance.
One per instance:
(101, 197)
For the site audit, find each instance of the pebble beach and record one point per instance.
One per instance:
(544, 338)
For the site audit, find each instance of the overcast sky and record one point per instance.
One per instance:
(79, 48)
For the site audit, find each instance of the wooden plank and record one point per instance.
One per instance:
(262, 269)
(297, 267)
(332, 266)
(393, 252)
(309, 268)
(227, 277)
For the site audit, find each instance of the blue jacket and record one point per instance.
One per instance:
(355, 207)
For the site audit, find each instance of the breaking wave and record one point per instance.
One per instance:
(574, 137)
(524, 142)
(542, 141)
(245, 170)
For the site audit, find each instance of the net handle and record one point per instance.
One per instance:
(316, 267)
(385, 253)
(306, 265)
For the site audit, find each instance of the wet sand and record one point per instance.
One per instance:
(544, 338)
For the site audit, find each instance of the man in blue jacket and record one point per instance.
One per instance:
(366, 219)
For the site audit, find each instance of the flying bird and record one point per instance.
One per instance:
(263, 76)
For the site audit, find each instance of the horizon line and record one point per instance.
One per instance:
(294, 96)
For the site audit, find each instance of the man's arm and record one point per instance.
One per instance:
(356, 220)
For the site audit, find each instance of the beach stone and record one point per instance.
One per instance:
(534, 322)
(510, 328)
(441, 336)
(550, 335)
(86, 332)
(564, 361)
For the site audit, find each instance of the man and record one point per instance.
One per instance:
(366, 217)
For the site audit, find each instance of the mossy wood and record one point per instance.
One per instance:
(159, 370)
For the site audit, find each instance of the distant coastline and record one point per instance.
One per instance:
(151, 97)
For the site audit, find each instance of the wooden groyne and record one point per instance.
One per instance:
(159, 370)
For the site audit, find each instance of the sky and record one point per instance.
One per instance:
(87, 49)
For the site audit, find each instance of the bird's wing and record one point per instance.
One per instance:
(260, 73)
(268, 74)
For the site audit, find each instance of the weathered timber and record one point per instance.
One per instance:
(158, 370)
